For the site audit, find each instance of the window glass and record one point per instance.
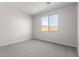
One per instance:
(53, 23)
(50, 23)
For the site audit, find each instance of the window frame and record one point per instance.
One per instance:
(48, 22)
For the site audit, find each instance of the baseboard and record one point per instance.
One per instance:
(57, 43)
(16, 40)
(12, 42)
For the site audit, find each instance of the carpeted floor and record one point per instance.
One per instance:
(37, 48)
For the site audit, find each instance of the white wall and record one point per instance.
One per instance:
(78, 30)
(15, 26)
(67, 34)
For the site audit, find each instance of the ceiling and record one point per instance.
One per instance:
(34, 8)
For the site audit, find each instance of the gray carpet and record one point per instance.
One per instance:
(37, 48)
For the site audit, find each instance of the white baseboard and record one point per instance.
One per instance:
(16, 40)
(12, 42)
(58, 42)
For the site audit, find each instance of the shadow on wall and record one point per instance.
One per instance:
(14, 26)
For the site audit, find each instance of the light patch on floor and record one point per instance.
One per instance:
(37, 48)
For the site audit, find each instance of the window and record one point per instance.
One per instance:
(50, 23)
